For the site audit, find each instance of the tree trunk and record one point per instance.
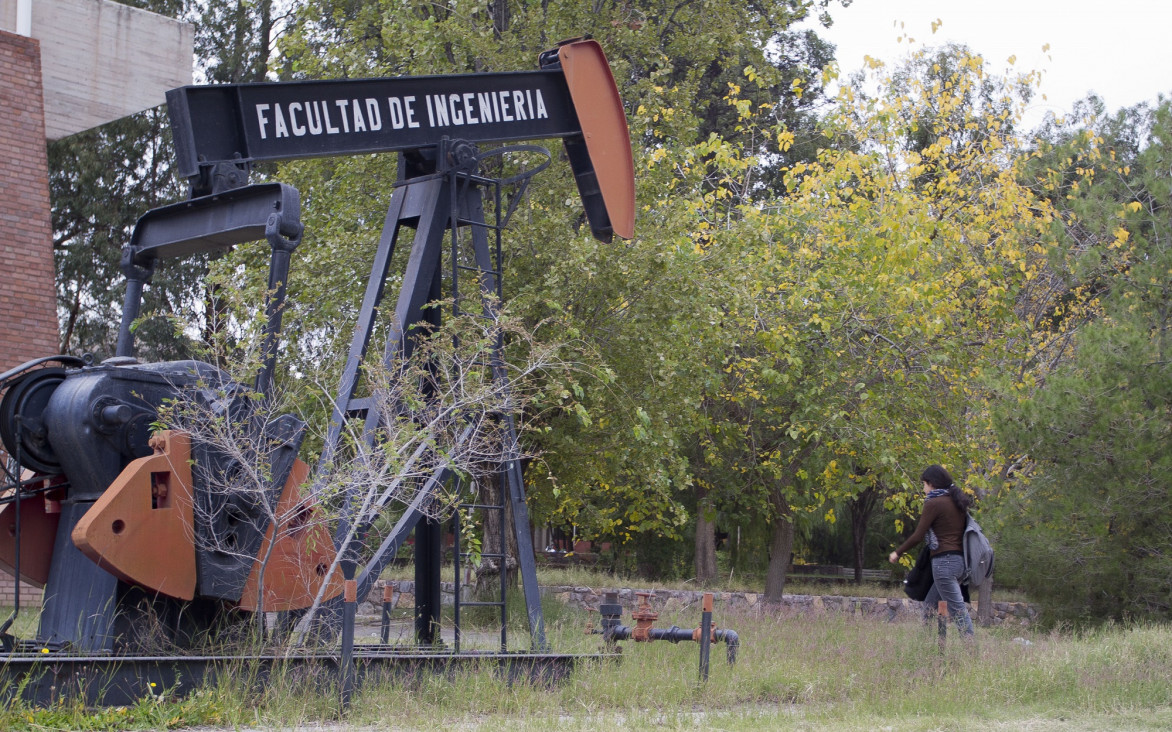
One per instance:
(781, 545)
(861, 508)
(512, 550)
(734, 550)
(499, 10)
(985, 604)
(705, 540)
(264, 39)
(490, 567)
(541, 538)
(67, 331)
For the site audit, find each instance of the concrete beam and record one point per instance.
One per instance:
(101, 60)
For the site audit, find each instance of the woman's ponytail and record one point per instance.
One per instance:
(962, 500)
(939, 478)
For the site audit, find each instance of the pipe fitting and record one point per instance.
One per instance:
(644, 617)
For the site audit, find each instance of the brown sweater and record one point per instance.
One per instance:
(942, 516)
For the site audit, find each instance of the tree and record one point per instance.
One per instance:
(879, 299)
(446, 410)
(100, 182)
(1091, 517)
(635, 312)
(861, 507)
(235, 40)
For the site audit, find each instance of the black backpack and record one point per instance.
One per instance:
(919, 579)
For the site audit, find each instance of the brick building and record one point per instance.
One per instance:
(28, 315)
(65, 66)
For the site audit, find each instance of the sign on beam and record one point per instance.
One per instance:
(283, 121)
(573, 97)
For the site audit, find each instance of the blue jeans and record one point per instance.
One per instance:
(947, 570)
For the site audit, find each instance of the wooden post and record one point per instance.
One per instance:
(346, 669)
(985, 604)
(705, 634)
(942, 622)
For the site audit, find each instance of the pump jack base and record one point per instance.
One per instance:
(45, 679)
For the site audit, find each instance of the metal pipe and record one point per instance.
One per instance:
(613, 630)
(137, 275)
(457, 589)
(346, 665)
(388, 601)
(675, 634)
(731, 640)
(705, 635)
(282, 250)
(63, 359)
(612, 618)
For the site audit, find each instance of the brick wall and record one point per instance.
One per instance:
(28, 317)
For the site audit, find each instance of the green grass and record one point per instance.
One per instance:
(828, 672)
(25, 623)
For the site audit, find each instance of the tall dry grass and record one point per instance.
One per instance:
(804, 672)
(794, 672)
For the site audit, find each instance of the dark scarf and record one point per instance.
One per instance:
(933, 542)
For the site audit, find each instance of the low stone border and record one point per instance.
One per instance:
(887, 609)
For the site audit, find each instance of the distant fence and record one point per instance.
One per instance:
(836, 573)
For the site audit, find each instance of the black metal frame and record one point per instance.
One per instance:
(446, 199)
(215, 224)
(221, 131)
(124, 680)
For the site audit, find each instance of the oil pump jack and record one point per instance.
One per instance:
(116, 522)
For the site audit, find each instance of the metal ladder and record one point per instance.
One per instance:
(488, 271)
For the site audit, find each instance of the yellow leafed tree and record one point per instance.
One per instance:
(877, 301)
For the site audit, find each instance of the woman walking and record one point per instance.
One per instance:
(942, 525)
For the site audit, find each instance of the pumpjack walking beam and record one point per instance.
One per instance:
(220, 131)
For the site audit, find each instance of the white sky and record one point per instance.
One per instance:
(1121, 49)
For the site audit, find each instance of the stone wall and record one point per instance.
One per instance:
(877, 608)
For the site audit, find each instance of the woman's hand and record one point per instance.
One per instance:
(893, 557)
